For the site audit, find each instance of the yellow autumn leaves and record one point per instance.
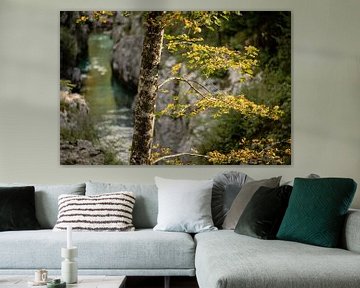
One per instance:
(99, 16)
(253, 152)
(212, 59)
(220, 104)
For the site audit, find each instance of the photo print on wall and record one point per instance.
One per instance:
(175, 88)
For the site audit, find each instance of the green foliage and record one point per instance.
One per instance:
(66, 85)
(68, 49)
(271, 33)
(83, 131)
(110, 157)
(158, 152)
(82, 126)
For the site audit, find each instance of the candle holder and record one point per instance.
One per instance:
(69, 272)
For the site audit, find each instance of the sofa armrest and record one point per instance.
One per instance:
(351, 234)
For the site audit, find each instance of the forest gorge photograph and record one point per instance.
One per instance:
(175, 87)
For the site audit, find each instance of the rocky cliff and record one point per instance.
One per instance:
(74, 149)
(128, 35)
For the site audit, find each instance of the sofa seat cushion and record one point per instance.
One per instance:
(225, 259)
(142, 249)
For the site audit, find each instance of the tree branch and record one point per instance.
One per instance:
(248, 107)
(189, 82)
(178, 155)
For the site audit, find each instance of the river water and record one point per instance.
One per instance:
(109, 102)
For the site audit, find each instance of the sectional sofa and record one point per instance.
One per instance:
(218, 259)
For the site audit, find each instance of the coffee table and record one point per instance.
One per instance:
(84, 281)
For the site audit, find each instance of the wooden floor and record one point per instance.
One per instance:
(158, 282)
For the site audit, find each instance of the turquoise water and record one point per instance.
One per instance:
(110, 103)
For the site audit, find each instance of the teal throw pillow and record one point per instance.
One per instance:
(316, 211)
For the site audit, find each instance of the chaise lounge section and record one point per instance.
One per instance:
(225, 259)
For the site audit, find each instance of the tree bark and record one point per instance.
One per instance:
(147, 90)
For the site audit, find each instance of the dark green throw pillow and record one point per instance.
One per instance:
(263, 214)
(17, 208)
(316, 211)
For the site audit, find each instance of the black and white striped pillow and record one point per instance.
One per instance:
(105, 212)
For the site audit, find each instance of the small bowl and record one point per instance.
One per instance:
(56, 283)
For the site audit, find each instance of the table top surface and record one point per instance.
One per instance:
(84, 281)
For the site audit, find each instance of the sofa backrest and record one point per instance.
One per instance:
(146, 203)
(46, 200)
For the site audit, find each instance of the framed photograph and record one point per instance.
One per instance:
(175, 88)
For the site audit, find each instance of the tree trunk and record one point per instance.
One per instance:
(147, 89)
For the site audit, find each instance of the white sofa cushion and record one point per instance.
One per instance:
(184, 205)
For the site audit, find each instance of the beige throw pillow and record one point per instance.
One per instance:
(243, 198)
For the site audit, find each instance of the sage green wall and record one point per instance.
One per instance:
(326, 85)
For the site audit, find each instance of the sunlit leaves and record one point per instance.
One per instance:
(223, 104)
(176, 110)
(254, 152)
(95, 16)
(194, 21)
(211, 59)
(264, 151)
(82, 19)
(218, 104)
(203, 57)
(176, 68)
(66, 85)
(164, 155)
(158, 152)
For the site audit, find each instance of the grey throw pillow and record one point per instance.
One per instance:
(242, 199)
(184, 205)
(310, 176)
(226, 187)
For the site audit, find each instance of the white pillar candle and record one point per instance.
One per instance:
(69, 237)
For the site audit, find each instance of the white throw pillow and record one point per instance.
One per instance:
(105, 212)
(184, 205)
